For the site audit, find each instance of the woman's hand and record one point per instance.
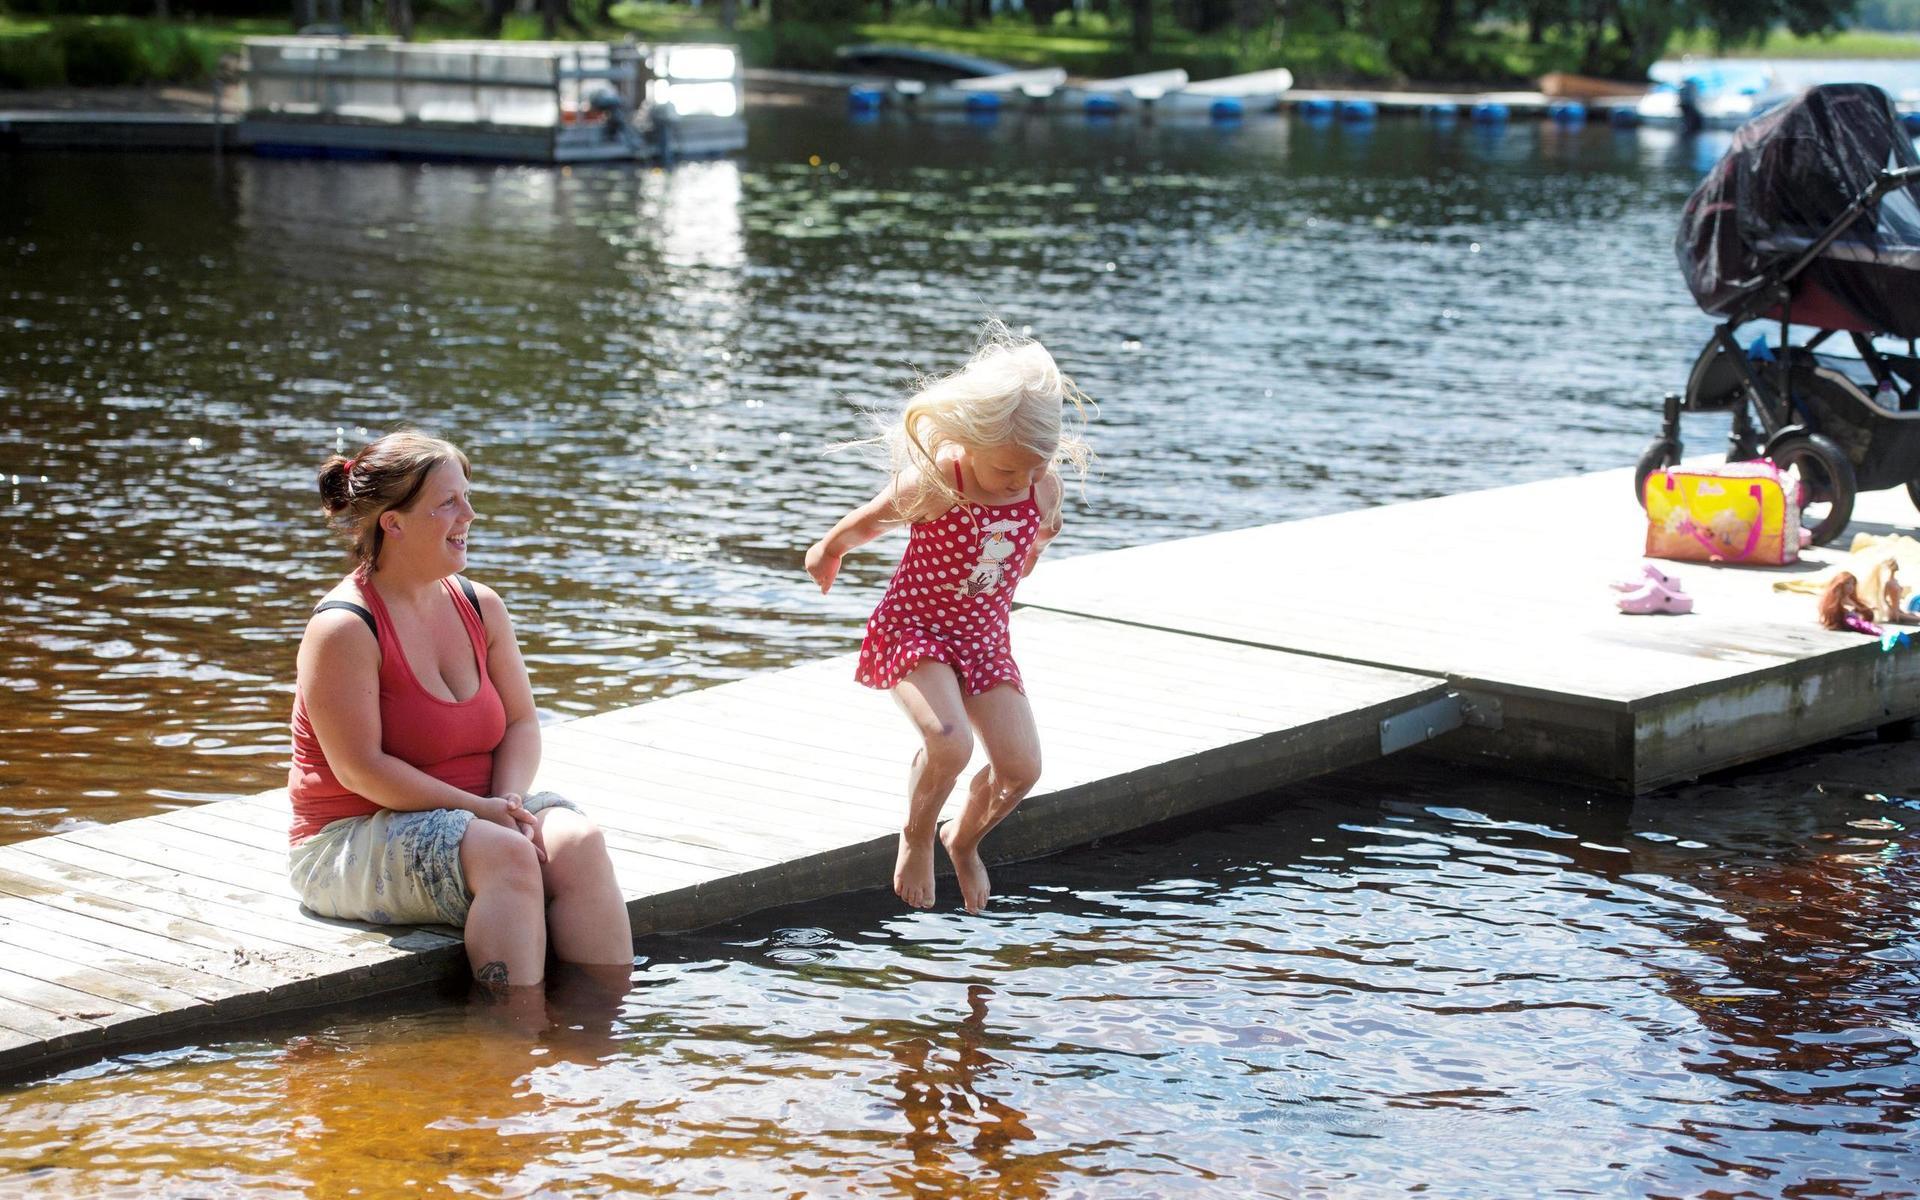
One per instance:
(822, 564)
(511, 812)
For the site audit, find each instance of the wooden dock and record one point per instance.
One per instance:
(785, 787)
(1166, 678)
(1504, 594)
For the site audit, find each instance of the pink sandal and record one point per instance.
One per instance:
(1648, 573)
(1653, 598)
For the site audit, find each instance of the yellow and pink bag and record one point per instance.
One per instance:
(1744, 512)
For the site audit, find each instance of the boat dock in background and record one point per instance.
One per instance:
(1166, 678)
(360, 97)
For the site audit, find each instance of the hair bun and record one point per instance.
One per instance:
(333, 484)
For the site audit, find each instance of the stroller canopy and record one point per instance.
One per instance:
(1788, 176)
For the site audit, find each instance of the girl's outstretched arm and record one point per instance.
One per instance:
(894, 505)
(1050, 496)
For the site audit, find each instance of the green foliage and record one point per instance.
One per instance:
(108, 52)
(822, 12)
(800, 46)
(102, 54)
(31, 62)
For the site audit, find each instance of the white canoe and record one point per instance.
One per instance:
(1256, 91)
(1125, 93)
(983, 93)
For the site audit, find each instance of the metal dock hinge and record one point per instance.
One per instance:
(1435, 717)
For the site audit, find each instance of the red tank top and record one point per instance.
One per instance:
(451, 741)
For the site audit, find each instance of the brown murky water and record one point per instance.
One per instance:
(1388, 982)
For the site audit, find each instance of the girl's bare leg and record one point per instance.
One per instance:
(930, 696)
(1004, 721)
(586, 918)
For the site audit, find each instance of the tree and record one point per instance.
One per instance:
(1142, 26)
(1733, 22)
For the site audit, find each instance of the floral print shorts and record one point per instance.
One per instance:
(392, 868)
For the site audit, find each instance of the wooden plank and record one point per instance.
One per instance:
(120, 993)
(795, 792)
(192, 852)
(32, 997)
(292, 937)
(728, 819)
(213, 953)
(168, 976)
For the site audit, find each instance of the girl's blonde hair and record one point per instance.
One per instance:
(1011, 392)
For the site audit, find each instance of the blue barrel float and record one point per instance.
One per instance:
(1567, 112)
(1358, 110)
(1912, 121)
(1317, 107)
(1623, 116)
(1227, 108)
(1099, 104)
(1489, 112)
(865, 99)
(1440, 111)
(983, 104)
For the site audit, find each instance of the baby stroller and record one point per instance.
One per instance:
(1812, 220)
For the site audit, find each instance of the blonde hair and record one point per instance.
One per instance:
(387, 474)
(1010, 393)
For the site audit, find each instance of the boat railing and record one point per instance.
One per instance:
(382, 79)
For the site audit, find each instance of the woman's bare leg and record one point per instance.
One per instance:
(507, 922)
(586, 918)
(1004, 720)
(930, 696)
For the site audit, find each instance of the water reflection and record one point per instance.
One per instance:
(1709, 986)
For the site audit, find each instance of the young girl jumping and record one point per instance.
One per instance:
(974, 458)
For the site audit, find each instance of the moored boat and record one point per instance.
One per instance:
(555, 102)
(985, 93)
(1709, 97)
(1126, 93)
(1255, 91)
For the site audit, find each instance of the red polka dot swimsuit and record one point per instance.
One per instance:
(950, 597)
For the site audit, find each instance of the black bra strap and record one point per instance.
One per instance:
(473, 598)
(351, 607)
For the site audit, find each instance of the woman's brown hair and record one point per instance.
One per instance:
(386, 475)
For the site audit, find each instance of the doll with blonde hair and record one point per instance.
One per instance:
(975, 477)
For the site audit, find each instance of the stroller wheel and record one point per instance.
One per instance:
(1660, 454)
(1826, 481)
(1913, 491)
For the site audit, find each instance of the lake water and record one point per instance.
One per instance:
(1361, 986)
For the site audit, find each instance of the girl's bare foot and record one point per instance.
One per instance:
(913, 871)
(975, 887)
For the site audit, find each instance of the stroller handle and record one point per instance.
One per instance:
(1893, 179)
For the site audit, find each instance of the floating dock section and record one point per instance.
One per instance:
(1166, 679)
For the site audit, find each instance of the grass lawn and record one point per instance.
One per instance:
(1853, 43)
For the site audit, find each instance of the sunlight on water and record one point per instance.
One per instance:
(647, 366)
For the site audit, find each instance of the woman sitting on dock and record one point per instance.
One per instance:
(415, 741)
